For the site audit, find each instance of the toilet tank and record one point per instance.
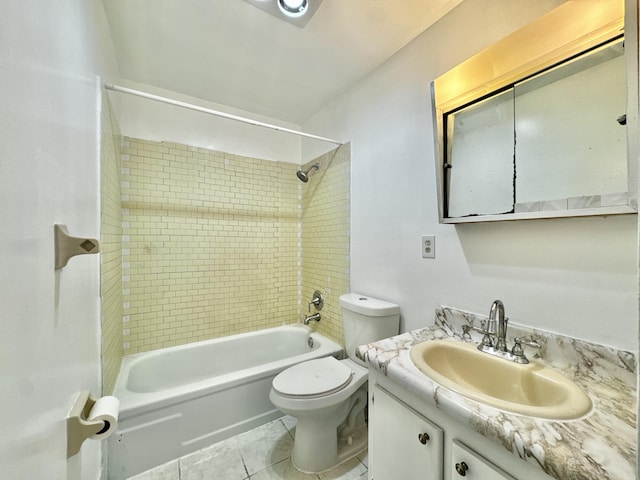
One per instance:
(367, 320)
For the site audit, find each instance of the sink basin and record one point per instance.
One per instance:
(532, 389)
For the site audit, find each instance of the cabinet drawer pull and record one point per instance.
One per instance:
(462, 468)
(423, 438)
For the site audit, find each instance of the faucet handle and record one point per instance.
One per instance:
(527, 341)
(466, 328)
(317, 300)
(518, 351)
(486, 339)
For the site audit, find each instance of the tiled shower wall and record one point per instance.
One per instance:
(111, 247)
(325, 237)
(213, 243)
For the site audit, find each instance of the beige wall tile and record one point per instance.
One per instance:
(211, 244)
(326, 210)
(111, 248)
(215, 244)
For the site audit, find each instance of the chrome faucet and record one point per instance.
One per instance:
(314, 317)
(318, 302)
(497, 310)
(496, 328)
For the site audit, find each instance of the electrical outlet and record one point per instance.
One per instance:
(428, 246)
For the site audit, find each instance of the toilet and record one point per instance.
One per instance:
(328, 396)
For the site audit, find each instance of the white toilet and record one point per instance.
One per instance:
(328, 396)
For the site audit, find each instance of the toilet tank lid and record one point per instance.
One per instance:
(355, 302)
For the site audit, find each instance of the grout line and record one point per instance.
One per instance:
(244, 465)
(286, 428)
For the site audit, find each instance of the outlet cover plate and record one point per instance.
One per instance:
(428, 246)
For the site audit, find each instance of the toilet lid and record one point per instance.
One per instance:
(321, 376)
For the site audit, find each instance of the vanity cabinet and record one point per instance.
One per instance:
(411, 439)
(407, 445)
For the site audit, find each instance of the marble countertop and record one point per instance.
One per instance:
(600, 445)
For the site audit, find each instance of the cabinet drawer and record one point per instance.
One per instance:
(469, 465)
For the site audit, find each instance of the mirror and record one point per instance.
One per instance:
(537, 129)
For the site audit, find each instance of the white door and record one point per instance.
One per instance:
(49, 173)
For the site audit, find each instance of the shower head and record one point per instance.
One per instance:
(304, 175)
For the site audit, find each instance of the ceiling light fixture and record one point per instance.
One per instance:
(293, 8)
(295, 12)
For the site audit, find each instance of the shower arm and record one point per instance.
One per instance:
(303, 175)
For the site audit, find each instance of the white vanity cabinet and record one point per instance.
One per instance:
(407, 445)
(398, 420)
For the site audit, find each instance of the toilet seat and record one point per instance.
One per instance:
(313, 379)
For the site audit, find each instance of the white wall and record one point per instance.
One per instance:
(151, 120)
(50, 54)
(573, 276)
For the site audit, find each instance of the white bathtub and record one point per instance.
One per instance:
(177, 400)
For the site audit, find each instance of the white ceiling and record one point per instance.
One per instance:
(230, 52)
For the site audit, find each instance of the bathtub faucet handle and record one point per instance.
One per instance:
(317, 301)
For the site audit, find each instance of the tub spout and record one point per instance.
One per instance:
(309, 318)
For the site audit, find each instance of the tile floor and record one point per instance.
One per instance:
(263, 453)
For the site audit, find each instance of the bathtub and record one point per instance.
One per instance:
(177, 400)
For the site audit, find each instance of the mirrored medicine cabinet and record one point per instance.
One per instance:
(541, 124)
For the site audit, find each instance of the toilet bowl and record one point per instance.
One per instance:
(328, 396)
(321, 394)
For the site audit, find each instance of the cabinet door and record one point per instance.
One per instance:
(469, 465)
(404, 444)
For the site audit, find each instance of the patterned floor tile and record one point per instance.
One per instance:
(168, 471)
(265, 445)
(283, 470)
(219, 461)
(263, 453)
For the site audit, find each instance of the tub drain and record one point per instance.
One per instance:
(310, 342)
